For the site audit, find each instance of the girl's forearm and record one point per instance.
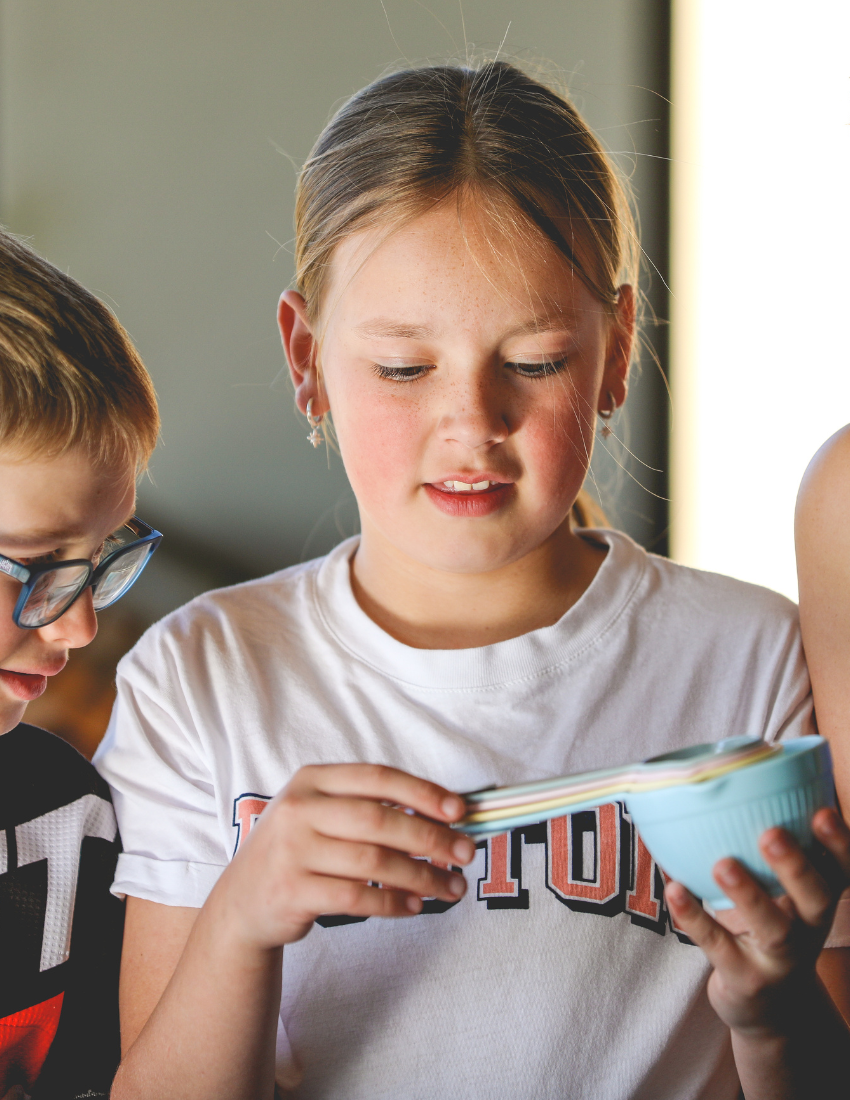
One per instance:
(212, 1035)
(809, 1059)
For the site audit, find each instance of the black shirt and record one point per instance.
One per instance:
(60, 928)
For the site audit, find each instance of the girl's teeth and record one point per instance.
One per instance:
(464, 487)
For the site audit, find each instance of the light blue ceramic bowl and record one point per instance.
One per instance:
(687, 828)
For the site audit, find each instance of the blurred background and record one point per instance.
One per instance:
(151, 149)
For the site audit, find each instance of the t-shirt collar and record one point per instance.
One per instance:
(531, 655)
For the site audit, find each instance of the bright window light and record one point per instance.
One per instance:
(760, 272)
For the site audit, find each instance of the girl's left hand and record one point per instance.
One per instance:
(759, 975)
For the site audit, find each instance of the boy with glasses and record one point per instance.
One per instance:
(78, 421)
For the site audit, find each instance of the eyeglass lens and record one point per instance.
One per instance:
(120, 575)
(52, 593)
(55, 591)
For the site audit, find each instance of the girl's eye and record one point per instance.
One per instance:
(538, 370)
(401, 372)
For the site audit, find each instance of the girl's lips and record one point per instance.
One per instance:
(480, 502)
(23, 685)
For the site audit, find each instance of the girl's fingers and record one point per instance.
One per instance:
(319, 894)
(371, 863)
(359, 819)
(719, 945)
(384, 784)
(806, 888)
(832, 832)
(767, 923)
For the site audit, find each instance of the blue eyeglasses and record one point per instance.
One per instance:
(47, 591)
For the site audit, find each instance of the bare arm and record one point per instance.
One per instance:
(822, 532)
(200, 990)
(198, 1011)
(154, 938)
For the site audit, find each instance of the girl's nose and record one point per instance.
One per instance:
(476, 416)
(77, 627)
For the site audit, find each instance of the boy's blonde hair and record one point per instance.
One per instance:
(69, 374)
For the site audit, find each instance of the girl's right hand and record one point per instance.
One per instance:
(328, 838)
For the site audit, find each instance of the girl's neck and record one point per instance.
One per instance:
(431, 609)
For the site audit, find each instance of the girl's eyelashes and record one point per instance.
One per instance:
(538, 370)
(401, 372)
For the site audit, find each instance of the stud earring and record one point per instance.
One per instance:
(606, 414)
(315, 437)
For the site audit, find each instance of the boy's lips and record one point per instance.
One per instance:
(26, 685)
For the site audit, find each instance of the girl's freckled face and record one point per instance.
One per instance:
(445, 359)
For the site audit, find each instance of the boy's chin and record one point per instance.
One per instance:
(11, 713)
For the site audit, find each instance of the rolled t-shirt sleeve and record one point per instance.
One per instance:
(155, 761)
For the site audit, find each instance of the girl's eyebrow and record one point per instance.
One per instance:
(535, 326)
(384, 326)
(402, 330)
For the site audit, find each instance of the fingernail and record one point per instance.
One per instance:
(453, 806)
(828, 822)
(730, 875)
(457, 886)
(414, 904)
(463, 850)
(777, 847)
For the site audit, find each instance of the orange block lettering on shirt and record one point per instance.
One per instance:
(246, 809)
(25, 1039)
(642, 899)
(498, 882)
(607, 849)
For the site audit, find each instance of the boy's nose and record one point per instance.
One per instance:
(77, 627)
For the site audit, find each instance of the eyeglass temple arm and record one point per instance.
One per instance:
(12, 569)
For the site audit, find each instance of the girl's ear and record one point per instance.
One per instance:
(299, 344)
(619, 351)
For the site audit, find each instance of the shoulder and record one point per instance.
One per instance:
(717, 596)
(270, 610)
(829, 469)
(240, 607)
(737, 646)
(822, 526)
(698, 595)
(707, 632)
(40, 772)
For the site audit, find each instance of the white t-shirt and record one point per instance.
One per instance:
(558, 975)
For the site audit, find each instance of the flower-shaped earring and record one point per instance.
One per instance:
(315, 437)
(606, 414)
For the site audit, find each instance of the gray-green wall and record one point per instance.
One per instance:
(149, 148)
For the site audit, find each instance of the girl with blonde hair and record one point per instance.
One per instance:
(283, 754)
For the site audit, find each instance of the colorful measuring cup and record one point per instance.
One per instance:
(691, 807)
